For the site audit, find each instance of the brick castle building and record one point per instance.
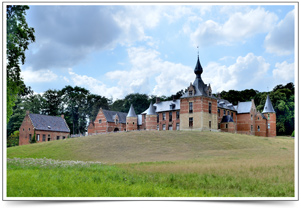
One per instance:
(197, 109)
(43, 127)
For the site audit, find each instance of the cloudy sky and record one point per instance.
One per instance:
(116, 50)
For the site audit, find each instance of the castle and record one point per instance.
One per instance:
(197, 109)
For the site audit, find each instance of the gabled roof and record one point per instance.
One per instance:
(244, 107)
(268, 107)
(226, 119)
(110, 115)
(131, 112)
(49, 123)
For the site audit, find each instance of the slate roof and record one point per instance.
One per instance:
(131, 112)
(49, 123)
(268, 107)
(151, 110)
(244, 107)
(221, 103)
(199, 86)
(167, 105)
(110, 116)
(226, 119)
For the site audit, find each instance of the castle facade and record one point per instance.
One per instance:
(198, 109)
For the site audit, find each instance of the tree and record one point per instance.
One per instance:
(52, 103)
(17, 117)
(94, 103)
(19, 35)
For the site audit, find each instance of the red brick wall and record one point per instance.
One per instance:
(231, 127)
(25, 129)
(131, 123)
(50, 134)
(262, 123)
(272, 121)
(244, 123)
(220, 116)
(151, 122)
(173, 122)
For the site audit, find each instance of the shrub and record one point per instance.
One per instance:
(293, 134)
(13, 139)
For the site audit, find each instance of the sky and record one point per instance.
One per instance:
(115, 50)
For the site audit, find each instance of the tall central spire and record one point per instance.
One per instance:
(198, 69)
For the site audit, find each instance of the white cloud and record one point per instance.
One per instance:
(281, 39)
(31, 76)
(246, 73)
(284, 72)
(238, 27)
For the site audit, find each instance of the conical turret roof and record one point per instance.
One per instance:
(131, 112)
(268, 107)
(151, 110)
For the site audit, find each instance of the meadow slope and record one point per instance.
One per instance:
(147, 164)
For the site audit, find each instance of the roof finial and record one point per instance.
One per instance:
(198, 50)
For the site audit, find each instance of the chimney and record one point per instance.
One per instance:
(158, 100)
(62, 116)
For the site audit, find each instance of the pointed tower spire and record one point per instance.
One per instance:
(268, 107)
(151, 110)
(198, 68)
(131, 112)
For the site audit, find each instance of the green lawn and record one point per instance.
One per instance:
(154, 164)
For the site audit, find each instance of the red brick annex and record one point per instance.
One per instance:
(198, 109)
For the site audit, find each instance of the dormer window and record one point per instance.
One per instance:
(210, 93)
(116, 121)
(190, 92)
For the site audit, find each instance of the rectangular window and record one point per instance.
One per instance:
(232, 114)
(178, 126)
(224, 112)
(209, 124)
(178, 114)
(164, 116)
(99, 121)
(163, 127)
(251, 117)
(258, 128)
(226, 126)
(158, 127)
(29, 137)
(190, 122)
(251, 127)
(190, 92)
(228, 112)
(268, 116)
(57, 137)
(44, 137)
(170, 115)
(38, 137)
(210, 108)
(157, 118)
(170, 127)
(269, 126)
(190, 107)
(48, 137)
(219, 112)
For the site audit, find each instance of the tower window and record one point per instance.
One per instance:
(219, 112)
(190, 122)
(209, 124)
(251, 127)
(190, 107)
(268, 116)
(258, 128)
(269, 126)
(99, 121)
(210, 108)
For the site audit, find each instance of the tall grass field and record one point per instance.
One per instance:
(154, 164)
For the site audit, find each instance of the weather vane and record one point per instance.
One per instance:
(198, 50)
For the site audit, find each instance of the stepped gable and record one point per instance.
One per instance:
(268, 107)
(131, 112)
(49, 123)
(110, 115)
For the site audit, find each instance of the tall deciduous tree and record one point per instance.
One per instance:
(19, 36)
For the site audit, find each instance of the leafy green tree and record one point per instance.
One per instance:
(13, 139)
(17, 117)
(74, 108)
(118, 105)
(34, 103)
(94, 103)
(19, 36)
(52, 103)
(140, 102)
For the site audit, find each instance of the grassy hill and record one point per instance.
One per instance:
(159, 163)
